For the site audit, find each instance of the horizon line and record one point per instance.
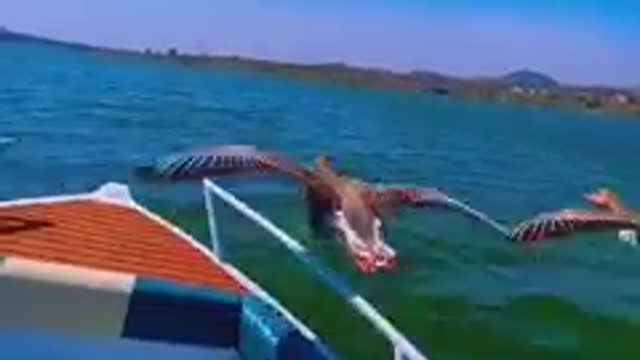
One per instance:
(348, 64)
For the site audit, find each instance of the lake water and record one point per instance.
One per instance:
(460, 291)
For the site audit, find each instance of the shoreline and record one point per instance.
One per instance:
(605, 100)
(545, 94)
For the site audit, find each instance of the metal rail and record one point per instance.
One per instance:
(403, 349)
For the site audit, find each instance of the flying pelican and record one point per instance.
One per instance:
(609, 214)
(348, 205)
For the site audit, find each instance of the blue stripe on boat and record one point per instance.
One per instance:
(295, 346)
(265, 334)
(260, 330)
(171, 312)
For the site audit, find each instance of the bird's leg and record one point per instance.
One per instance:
(385, 255)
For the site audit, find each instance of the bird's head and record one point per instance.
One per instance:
(605, 199)
(323, 161)
(363, 235)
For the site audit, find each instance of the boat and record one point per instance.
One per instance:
(98, 275)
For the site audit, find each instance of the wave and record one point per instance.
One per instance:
(6, 141)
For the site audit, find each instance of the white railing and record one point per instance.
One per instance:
(403, 349)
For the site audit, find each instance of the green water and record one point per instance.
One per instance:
(460, 292)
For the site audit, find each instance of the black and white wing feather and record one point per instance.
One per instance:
(222, 160)
(567, 222)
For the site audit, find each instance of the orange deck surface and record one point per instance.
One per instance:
(105, 236)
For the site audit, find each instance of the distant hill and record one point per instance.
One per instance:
(530, 79)
(536, 88)
(9, 35)
(432, 77)
(6, 34)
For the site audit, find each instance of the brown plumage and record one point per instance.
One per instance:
(352, 207)
(610, 214)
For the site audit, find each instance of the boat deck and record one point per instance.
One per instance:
(96, 273)
(107, 236)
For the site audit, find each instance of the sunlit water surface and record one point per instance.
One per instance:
(460, 291)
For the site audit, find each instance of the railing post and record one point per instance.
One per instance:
(211, 219)
(397, 353)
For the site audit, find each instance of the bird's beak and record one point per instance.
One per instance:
(594, 198)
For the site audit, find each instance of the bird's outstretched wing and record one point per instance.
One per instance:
(420, 197)
(567, 222)
(221, 160)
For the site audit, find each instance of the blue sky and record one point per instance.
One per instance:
(583, 42)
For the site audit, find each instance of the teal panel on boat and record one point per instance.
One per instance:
(171, 312)
(266, 335)
(260, 330)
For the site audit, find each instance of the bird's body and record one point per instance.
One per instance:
(354, 208)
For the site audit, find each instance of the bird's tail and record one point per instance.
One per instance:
(476, 214)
